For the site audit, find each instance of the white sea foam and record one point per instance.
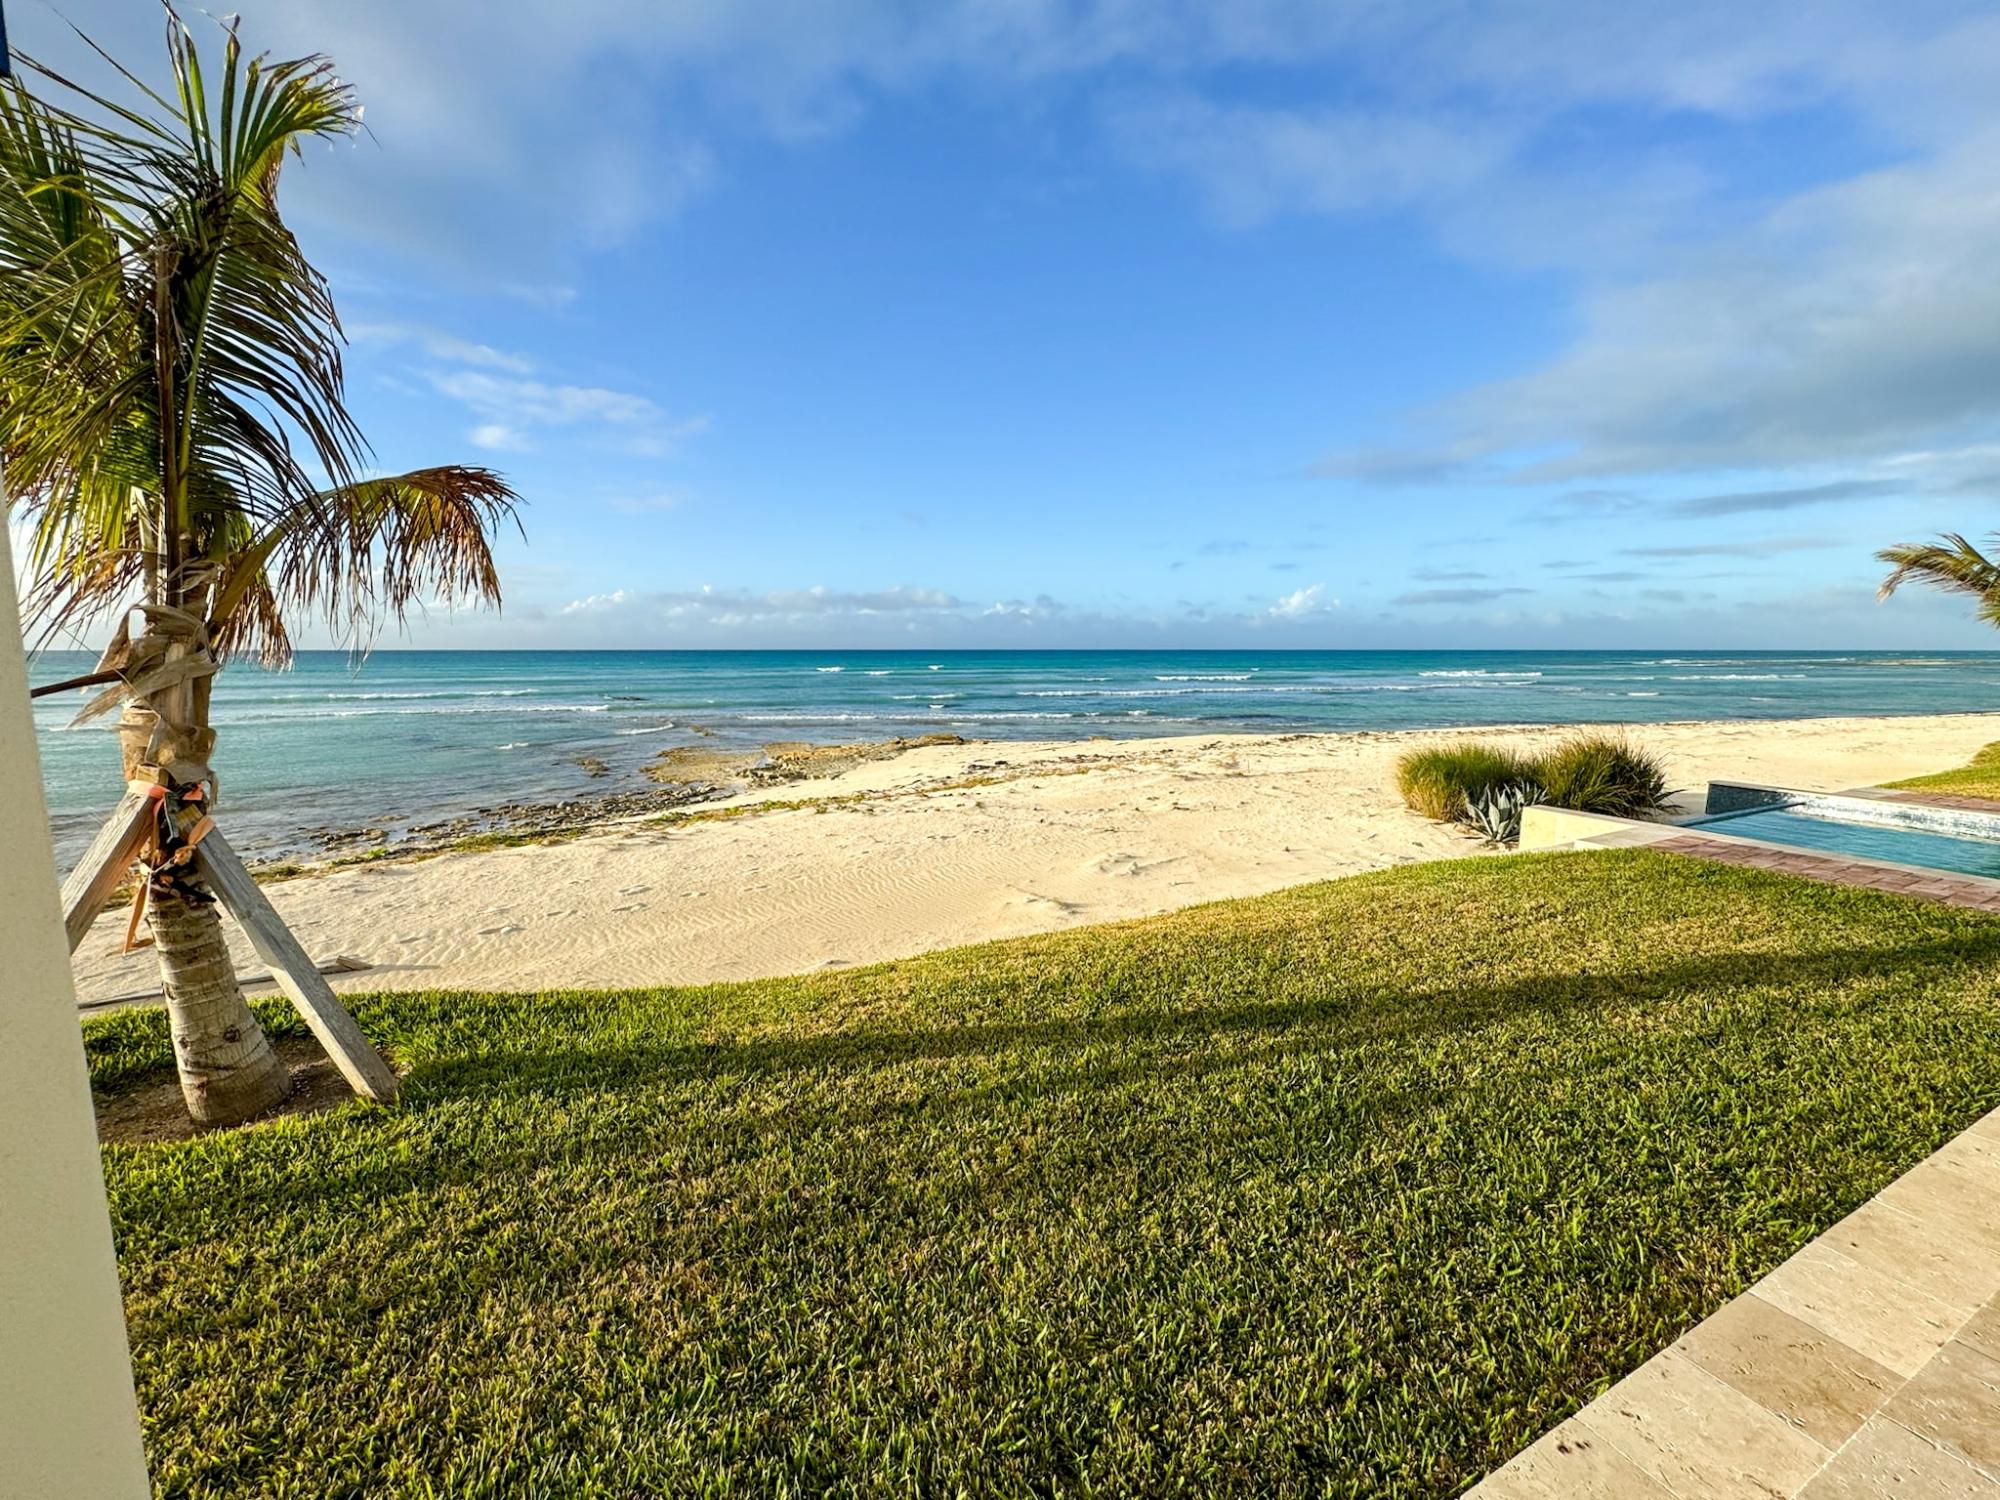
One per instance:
(1477, 672)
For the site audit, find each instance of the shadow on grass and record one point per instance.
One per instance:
(1129, 1049)
(1368, 1016)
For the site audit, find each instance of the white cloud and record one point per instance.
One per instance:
(537, 403)
(514, 406)
(440, 345)
(497, 436)
(539, 138)
(595, 604)
(1303, 604)
(1856, 322)
(1252, 164)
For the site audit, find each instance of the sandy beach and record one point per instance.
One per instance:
(955, 844)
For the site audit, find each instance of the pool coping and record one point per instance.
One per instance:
(1544, 828)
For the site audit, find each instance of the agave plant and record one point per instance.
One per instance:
(1496, 816)
(177, 438)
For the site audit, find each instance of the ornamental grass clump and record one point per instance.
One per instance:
(1602, 773)
(1442, 782)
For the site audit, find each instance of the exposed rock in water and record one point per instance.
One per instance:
(687, 775)
(688, 763)
(782, 761)
(796, 760)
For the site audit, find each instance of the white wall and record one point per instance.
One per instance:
(69, 1426)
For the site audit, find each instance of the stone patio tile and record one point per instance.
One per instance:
(1570, 1463)
(1937, 889)
(1889, 1460)
(1955, 1403)
(1922, 1240)
(1868, 1310)
(1975, 1152)
(1810, 1379)
(1697, 1436)
(1958, 1194)
(1983, 1332)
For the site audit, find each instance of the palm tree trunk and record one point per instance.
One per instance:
(228, 1071)
(227, 1068)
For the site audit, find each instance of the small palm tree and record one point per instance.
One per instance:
(177, 439)
(1950, 563)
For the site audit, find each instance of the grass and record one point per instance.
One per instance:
(1440, 781)
(1350, 1190)
(1602, 773)
(1591, 772)
(1980, 779)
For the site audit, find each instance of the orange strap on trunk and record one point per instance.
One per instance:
(149, 851)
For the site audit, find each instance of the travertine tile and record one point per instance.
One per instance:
(1977, 1154)
(1868, 1310)
(1570, 1463)
(1956, 1190)
(1889, 1460)
(1983, 1331)
(1697, 1436)
(1954, 1402)
(1807, 1377)
(1920, 1240)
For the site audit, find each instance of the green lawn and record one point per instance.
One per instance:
(1350, 1190)
(1980, 779)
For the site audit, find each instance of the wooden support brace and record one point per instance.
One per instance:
(106, 863)
(359, 1063)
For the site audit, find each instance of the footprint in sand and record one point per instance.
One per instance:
(497, 931)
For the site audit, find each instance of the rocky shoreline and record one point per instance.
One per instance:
(682, 775)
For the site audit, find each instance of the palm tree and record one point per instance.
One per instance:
(1951, 563)
(177, 440)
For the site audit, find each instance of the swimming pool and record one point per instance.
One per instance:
(1804, 828)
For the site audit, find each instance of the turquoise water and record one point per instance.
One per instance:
(409, 734)
(1907, 846)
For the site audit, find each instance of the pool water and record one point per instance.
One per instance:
(1804, 829)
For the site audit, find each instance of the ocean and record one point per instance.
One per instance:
(430, 734)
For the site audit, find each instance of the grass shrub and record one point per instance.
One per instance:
(1442, 781)
(1602, 773)
(1346, 1191)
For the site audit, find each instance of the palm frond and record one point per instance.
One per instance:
(1951, 563)
(172, 402)
(368, 552)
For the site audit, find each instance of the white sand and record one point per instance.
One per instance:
(1071, 833)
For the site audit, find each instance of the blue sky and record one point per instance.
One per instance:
(1108, 323)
